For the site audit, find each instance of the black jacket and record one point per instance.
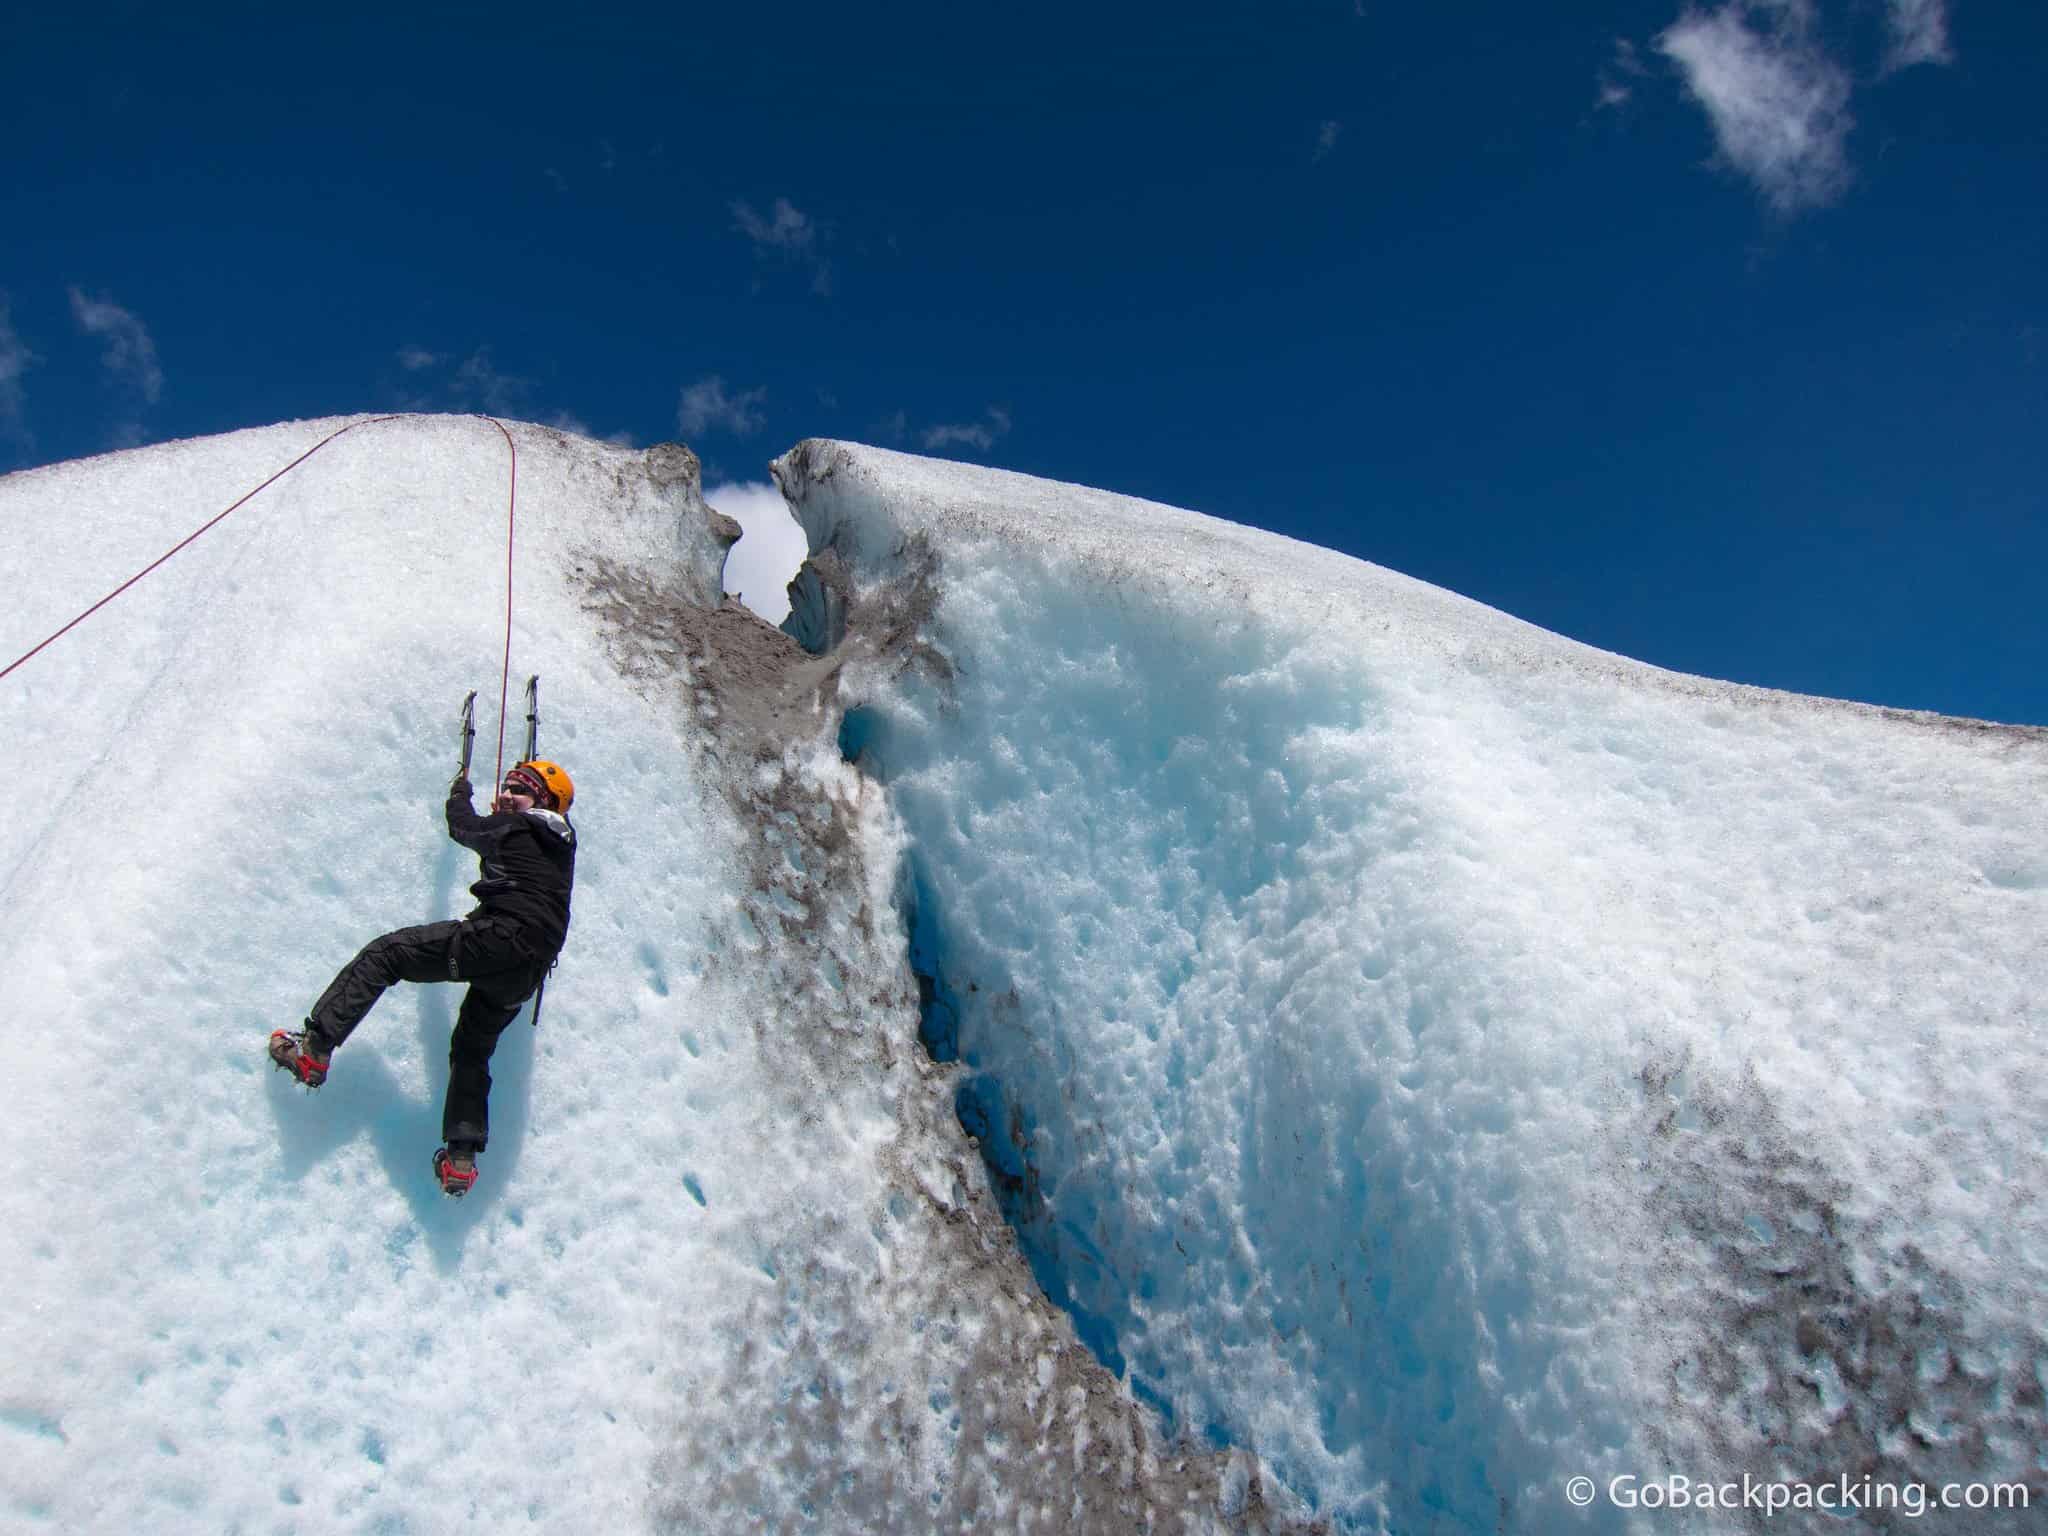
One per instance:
(529, 864)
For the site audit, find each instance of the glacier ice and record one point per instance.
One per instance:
(1426, 1058)
(1440, 1055)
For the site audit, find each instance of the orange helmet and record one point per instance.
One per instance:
(553, 777)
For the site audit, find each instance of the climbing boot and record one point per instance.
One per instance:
(456, 1171)
(299, 1052)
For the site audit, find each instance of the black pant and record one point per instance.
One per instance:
(502, 965)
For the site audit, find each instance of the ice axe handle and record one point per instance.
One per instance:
(468, 731)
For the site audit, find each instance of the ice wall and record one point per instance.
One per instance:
(731, 1266)
(1428, 1060)
(1437, 1055)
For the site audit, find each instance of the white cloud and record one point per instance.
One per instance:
(976, 434)
(478, 381)
(1778, 103)
(706, 406)
(569, 421)
(1326, 136)
(788, 232)
(1919, 31)
(15, 360)
(478, 384)
(1625, 61)
(760, 567)
(130, 354)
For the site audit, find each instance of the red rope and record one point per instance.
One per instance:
(189, 538)
(511, 512)
(505, 679)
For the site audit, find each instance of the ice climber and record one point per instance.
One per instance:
(503, 949)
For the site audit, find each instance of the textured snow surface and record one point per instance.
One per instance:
(731, 1265)
(1425, 1058)
(1442, 1056)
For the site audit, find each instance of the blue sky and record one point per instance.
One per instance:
(1716, 336)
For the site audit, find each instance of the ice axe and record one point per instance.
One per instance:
(468, 731)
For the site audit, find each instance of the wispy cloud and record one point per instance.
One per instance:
(707, 406)
(1623, 66)
(15, 360)
(1326, 136)
(1919, 30)
(569, 421)
(1778, 103)
(130, 355)
(788, 233)
(478, 382)
(789, 229)
(974, 434)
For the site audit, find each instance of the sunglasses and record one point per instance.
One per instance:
(521, 784)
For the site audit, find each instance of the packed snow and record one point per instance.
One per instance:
(1115, 1021)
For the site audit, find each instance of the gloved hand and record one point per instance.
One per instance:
(461, 785)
